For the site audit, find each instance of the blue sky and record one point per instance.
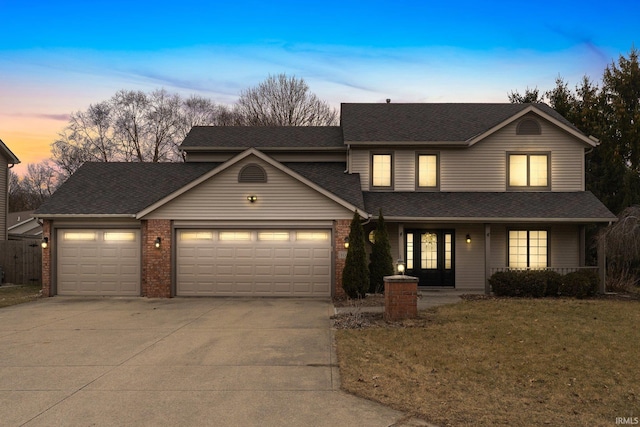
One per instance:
(57, 57)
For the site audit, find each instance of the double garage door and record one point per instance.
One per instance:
(253, 262)
(208, 262)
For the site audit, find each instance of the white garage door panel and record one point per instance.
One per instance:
(268, 263)
(97, 266)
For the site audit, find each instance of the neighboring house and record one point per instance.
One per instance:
(7, 161)
(466, 190)
(23, 226)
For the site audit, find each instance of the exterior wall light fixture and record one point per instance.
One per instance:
(400, 266)
(45, 243)
(468, 238)
(252, 199)
(346, 242)
(157, 242)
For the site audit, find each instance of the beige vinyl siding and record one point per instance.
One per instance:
(469, 257)
(4, 190)
(223, 198)
(405, 170)
(359, 162)
(565, 246)
(482, 167)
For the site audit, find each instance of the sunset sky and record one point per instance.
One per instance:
(57, 57)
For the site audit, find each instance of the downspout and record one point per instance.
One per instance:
(348, 159)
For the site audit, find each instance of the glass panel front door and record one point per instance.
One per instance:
(430, 256)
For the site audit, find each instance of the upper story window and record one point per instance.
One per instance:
(528, 171)
(382, 171)
(427, 174)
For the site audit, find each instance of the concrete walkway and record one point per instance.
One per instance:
(178, 362)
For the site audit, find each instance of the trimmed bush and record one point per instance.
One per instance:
(580, 284)
(553, 279)
(355, 275)
(519, 283)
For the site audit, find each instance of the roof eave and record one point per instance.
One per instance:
(410, 143)
(499, 219)
(12, 158)
(82, 216)
(240, 149)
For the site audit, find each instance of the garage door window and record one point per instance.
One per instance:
(120, 237)
(196, 235)
(235, 236)
(273, 236)
(71, 236)
(312, 236)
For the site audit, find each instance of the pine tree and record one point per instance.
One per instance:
(381, 261)
(355, 276)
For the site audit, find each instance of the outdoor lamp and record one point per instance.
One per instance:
(468, 238)
(45, 243)
(400, 266)
(252, 199)
(158, 241)
(346, 242)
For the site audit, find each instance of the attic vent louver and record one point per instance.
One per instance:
(528, 127)
(252, 173)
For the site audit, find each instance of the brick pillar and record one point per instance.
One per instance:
(156, 262)
(400, 297)
(46, 259)
(341, 231)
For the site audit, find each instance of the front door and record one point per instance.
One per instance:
(429, 256)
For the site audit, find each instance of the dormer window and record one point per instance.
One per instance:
(382, 171)
(528, 171)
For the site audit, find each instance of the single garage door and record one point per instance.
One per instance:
(254, 262)
(98, 262)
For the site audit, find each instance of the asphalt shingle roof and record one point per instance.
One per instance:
(582, 205)
(242, 137)
(427, 121)
(120, 188)
(331, 177)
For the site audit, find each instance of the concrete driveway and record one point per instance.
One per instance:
(200, 361)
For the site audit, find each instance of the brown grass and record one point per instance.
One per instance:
(12, 295)
(503, 362)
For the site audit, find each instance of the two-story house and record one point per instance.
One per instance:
(7, 161)
(466, 189)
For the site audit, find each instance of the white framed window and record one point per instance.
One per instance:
(410, 251)
(528, 249)
(528, 170)
(427, 173)
(382, 170)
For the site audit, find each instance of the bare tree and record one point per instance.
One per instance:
(283, 101)
(622, 240)
(37, 185)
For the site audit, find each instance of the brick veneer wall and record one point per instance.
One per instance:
(400, 298)
(341, 231)
(46, 259)
(156, 262)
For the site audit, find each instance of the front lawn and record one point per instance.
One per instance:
(502, 362)
(12, 295)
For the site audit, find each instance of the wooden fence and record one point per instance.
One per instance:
(21, 261)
